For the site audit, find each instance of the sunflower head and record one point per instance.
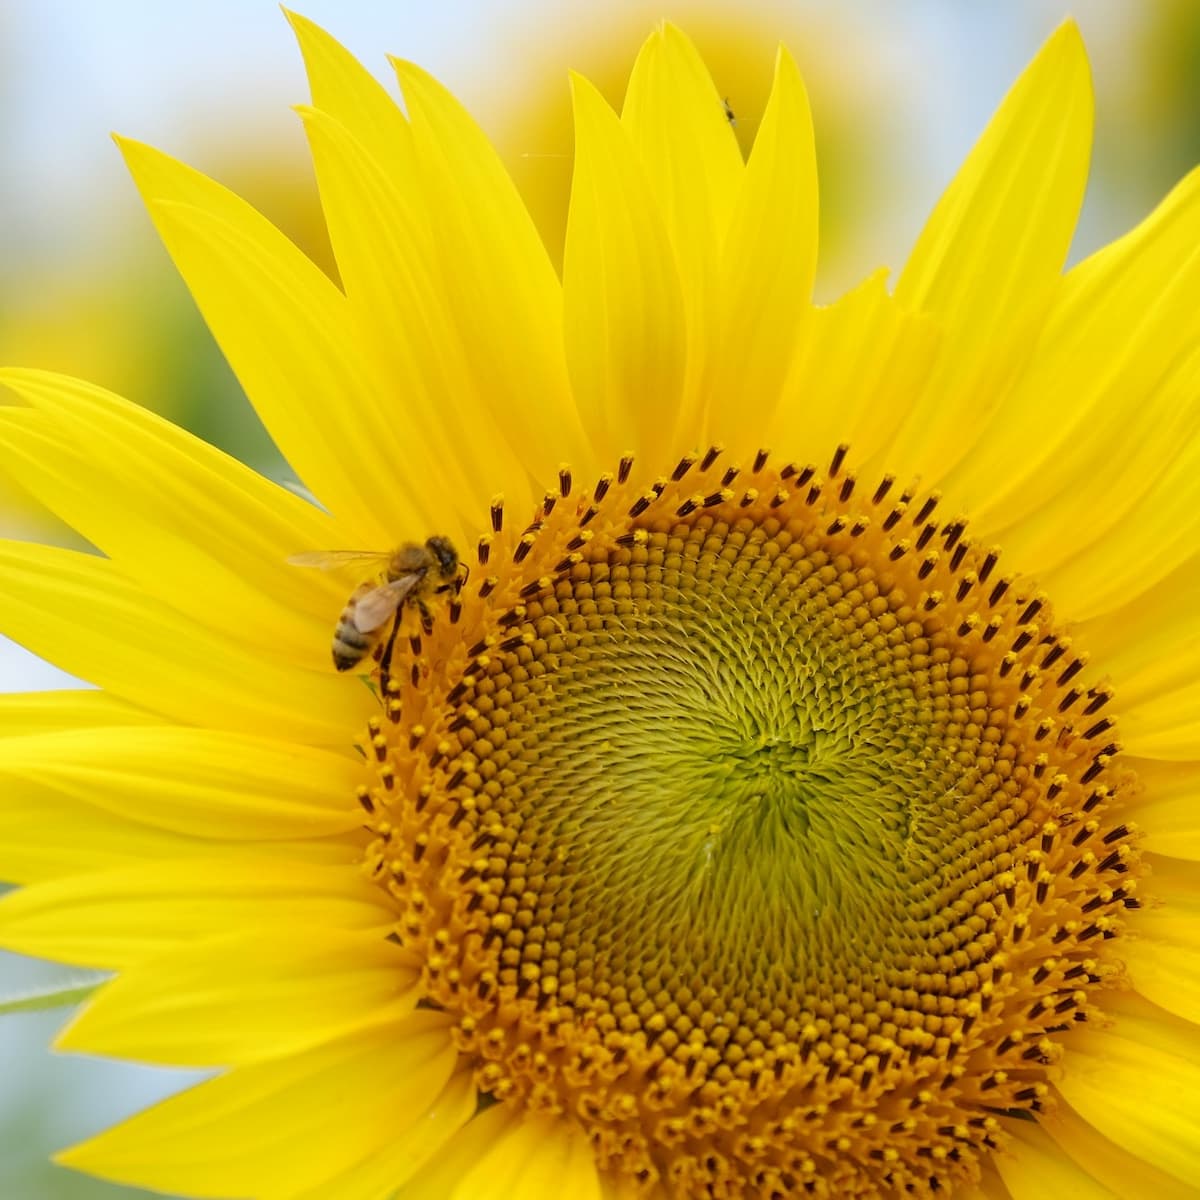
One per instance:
(773, 772)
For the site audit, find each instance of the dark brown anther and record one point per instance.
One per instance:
(497, 515)
(589, 515)
(624, 467)
(640, 505)
(998, 592)
(601, 488)
(549, 500)
(1032, 609)
(839, 457)
(760, 460)
(931, 502)
(1101, 726)
(731, 473)
(487, 587)
(483, 550)
(989, 565)
(564, 482)
(688, 506)
(925, 536)
(685, 464)
(847, 488)
(710, 456)
(952, 532)
(1070, 671)
(892, 519)
(1056, 651)
(885, 486)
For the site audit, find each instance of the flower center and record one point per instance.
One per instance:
(757, 822)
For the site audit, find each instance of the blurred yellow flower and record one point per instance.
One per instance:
(744, 822)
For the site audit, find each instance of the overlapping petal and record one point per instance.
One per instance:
(120, 918)
(156, 658)
(245, 996)
(275, 1128)
(190, 525)
(624, 316)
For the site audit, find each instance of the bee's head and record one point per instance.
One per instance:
(446, 555)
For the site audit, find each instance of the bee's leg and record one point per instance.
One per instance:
(385, 663)
(426, 617)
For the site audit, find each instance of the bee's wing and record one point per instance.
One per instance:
(375, 607)
(330, 560)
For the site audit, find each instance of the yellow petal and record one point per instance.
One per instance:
(1138, 1084)
(1162, 953)
(767, 263)
(992, 250)
(1120, 329)
(285, 329)
(194, 527)
(199, 782)
(273, 1128)
(1167, 726)
(396, 295)
(47, 835)
(239, 998)
(677, 125)
(1148, 646)
(1168, 809)
(440, 1176)
(1003, 227)
(624, 320)
(534, 1157)
(501, 285)
(24, 713)
(378, 1176)
(342, 87)
(120, 918)
(1158, 530)
(1127, 1175)
(480, 340)
(829, 362)
(1033, 1166)
(156, 658)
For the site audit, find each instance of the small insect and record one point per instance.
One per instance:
(730, 115)
(413, 574)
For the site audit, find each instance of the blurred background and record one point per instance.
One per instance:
(899, 93)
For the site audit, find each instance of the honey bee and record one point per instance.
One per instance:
(412, 575)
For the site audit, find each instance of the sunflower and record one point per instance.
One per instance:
(769, 764)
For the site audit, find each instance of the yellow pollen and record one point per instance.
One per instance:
(757, 821)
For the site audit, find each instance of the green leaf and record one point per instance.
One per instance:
(60, 995)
